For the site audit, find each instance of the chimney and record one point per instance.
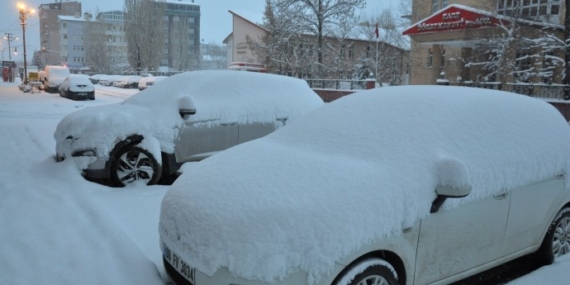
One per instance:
(87, 16)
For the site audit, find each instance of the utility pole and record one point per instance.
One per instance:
(10, 38)
(24, 11)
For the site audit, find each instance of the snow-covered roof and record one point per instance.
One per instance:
(489, 14)
(70, 18)
(355, 170)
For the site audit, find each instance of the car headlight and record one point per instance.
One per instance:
(84, 152)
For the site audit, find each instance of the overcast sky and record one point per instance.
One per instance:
(215, 20)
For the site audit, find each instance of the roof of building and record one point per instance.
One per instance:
(492, 15)
(70, 18)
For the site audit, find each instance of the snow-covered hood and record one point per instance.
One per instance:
(354, 171)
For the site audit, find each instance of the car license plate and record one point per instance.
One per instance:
(179, 265)
(81, 94)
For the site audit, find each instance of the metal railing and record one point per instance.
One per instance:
(546, 91)
(340, 84)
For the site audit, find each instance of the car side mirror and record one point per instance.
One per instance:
(444, 192)
(186, 107)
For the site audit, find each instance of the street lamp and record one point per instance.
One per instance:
(24, 11)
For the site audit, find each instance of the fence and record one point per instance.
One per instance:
(341, 84)
(546, 91)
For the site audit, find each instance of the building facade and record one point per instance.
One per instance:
(360, 57)
(49, 28)
(182, 34)
(494, 41)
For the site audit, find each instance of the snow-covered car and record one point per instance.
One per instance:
(396, 185)
(130, 81)
(150, 134)
(95, 78)
(107, 80)
(54, 76)
(148, 81)
(77, 87)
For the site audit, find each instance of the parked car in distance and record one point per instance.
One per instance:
(95, 78)
(150, 134)
(394, 186)
(148, 81)
(107, 80)
(130, 81)
(77, 87)
(54, 76)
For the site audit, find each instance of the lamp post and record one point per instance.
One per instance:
(24, 11)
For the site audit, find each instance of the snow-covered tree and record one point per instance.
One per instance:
(318, 17)
(144, 34)
(97, 55)
(284, 48)
(516, 52)
(383, 56)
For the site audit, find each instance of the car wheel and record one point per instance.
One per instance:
(370, 272)
(557, 240)
(134, 164)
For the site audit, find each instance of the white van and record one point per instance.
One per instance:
(54, 76)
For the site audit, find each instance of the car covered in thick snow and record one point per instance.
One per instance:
(77, 87)
(150, 134)
(128, 81)
(148, 81)
(396, 185)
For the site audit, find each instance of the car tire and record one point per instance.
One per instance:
(557, 239)
(373, 271)
(132, 164)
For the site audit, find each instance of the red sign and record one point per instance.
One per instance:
(454, 18)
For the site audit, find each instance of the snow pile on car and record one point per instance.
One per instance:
(358, 169)
(226, 96)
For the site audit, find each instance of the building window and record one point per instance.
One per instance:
(351, 52)
(64, 25)
(430, 58)
(434, 6)
(343, 51)
(64, 36)
(437, 5)
(530, 9)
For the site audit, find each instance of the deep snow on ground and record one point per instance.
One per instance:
(57, 228)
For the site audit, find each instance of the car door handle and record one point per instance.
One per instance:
(229, 124)
(501, 196)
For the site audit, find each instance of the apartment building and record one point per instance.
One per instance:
(49, 28)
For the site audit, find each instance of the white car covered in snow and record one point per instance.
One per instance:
(148, 81)
(398, 185)
(150, 134)
(129, 81)
(77, 87)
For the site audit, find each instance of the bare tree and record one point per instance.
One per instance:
(144, 34)
(96, 50)
(179, 44)
(318, 17)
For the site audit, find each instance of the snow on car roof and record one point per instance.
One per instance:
(358, 169)
(235, 96)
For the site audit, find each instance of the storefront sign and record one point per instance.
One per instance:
(453, 19)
